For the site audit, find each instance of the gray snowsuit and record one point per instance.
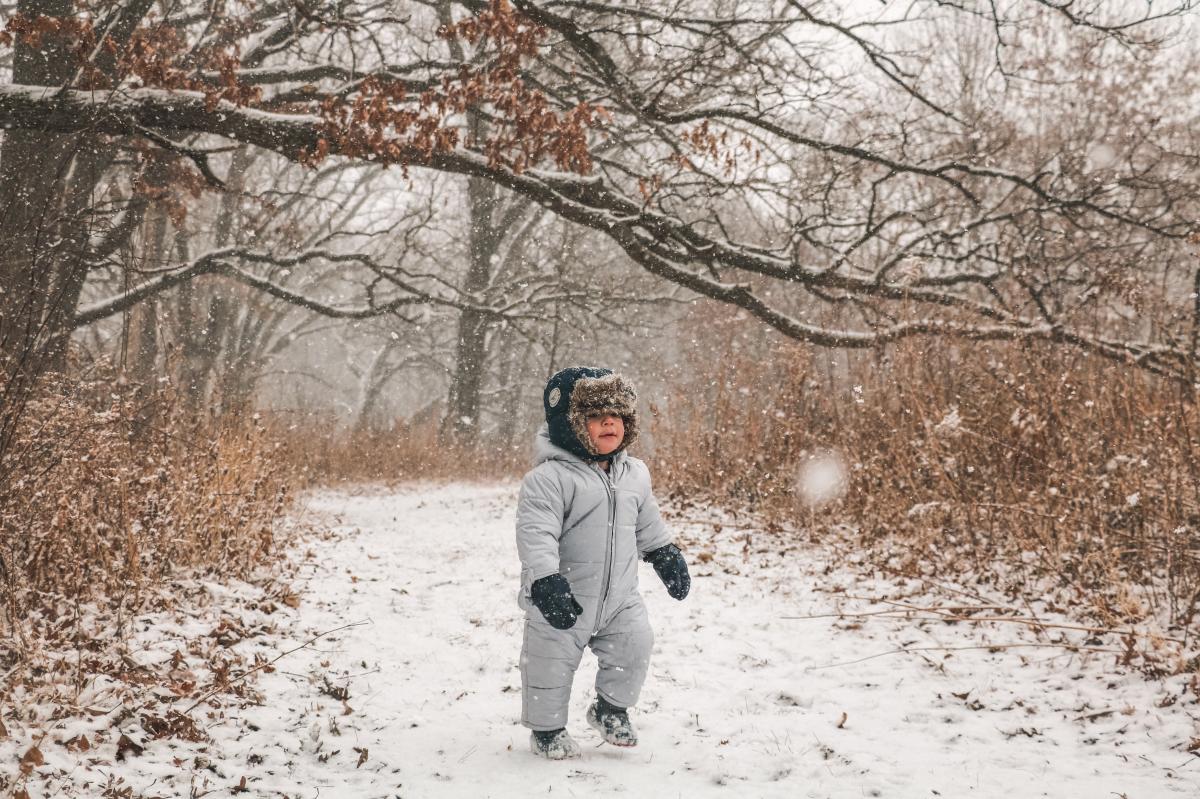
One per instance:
(592, 527)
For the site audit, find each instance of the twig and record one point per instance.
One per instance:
(902, 650)
(198, 156)
(1036, 623)
(867, 614)
(947, 617)
(1039, 630)
(918, 607)
(1097, 715)
(273, 660)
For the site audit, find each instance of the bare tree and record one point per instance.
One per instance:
(752, 152)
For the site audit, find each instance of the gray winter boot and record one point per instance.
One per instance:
(612, 722)
(553, 744)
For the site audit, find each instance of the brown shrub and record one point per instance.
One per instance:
(103, 495)
(1028, 465)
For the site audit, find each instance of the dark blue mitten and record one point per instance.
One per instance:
(552, 596)
(672, 570)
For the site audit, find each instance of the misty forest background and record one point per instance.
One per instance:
(948, 249)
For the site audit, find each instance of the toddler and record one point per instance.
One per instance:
(585, 515)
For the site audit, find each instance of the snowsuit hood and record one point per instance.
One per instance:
(577, 391)
(544, 449)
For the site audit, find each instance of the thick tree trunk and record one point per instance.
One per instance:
(46, 186)
(74, 241)
(203, 316)
(463, 405)
(461, 422)
(33, 171)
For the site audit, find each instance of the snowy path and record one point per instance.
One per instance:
(738, 700)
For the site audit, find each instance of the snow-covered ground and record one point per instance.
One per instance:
(754, 689)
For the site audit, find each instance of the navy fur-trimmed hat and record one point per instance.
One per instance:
(577, 391)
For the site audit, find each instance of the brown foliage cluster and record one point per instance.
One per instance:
(1039, 473)
(103, 496)
(721, 146)
(525, 129)
(530, 129)
(156, 55)
(717, 146)
(375, 124)
(378, 121)
(78, 35)
(159, 57)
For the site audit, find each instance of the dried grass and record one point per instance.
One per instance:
(105, 496)
(320, 452)
(1030, 467)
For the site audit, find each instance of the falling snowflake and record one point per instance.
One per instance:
(821, 479)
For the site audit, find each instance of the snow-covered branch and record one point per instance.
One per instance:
(735, 163)
(225, 262)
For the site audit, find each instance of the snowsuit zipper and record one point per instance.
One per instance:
(608, 551)
(588, 557)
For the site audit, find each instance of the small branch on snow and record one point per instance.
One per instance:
(904, 606)
(904, 612)
(917, 649)
(271, 662)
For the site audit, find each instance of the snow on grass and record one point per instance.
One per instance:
(755, 689)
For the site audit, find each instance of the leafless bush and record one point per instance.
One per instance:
(104, 496)
(1025, 468)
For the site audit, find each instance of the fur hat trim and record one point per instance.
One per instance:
(611, 393)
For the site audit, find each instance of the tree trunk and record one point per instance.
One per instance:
(463, 404)
(33, 168)
(192, 374)
(372, 388)
(142, 347)
(203, 318)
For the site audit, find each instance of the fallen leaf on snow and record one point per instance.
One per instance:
(126, 744)
(79, 743)
(31, 760)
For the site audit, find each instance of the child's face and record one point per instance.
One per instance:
(606, 431)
